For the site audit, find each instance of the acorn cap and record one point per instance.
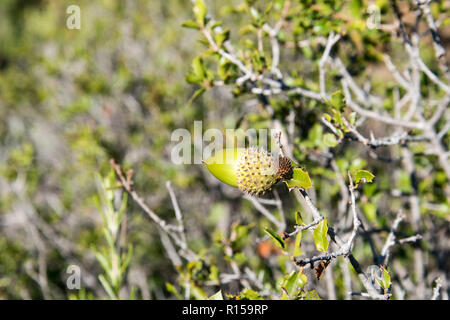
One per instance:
(256, 171)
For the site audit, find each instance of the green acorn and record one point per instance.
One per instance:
(253, 170)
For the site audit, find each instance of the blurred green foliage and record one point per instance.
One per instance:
(72, 99)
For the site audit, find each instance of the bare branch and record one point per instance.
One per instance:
(178, 214)
(261, 209)
(436, 289)
(171, 230)
(390, 241)
(438, 47)
(332, 39)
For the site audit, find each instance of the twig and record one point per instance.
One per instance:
(436, 289)
(170, 230)
(414, 205)
(390, 241)
(273, 34)
(343, 201)
(347, 279)
(330, 282)
(397, 75)
(332, 39)
(178, 214)
(397, 138)
(374, 115)
(362, 96)
(258, 206)
(279, 204)
(414, 238)
(438, 47)
(301, 228)
(361, 294)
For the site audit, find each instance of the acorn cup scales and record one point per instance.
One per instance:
(256, 172)
(253, 170)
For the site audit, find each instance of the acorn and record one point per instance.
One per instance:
(253, 170)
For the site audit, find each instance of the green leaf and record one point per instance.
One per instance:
(315, 135)
(311, 295)
(293, 282)
(200, 12)
(290, 284)
(404, 181)
(198, 293)
(302, 279)
(249, 294)
(363, 174)
(225, 69)
(196, 94)
(126, 258)
(198, 68)
(190, 24)
(222, 37)
(192, 78)
(284, 296)
(268, 8)
(298, 219)
(216, 296)
(320, 236)
(170, 287)
(198, 71)
(300, 179)
(107, 287)
(356, 8)
(385, 281)
(307, 52)
(337, 100)
(338, 117)
(240, 235)
(194, 266)
(255, 14)
(330, 140)
(216, 24)
(275, 237)
(103, 261)
(298, 240)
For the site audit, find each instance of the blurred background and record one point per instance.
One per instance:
(70, 100)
